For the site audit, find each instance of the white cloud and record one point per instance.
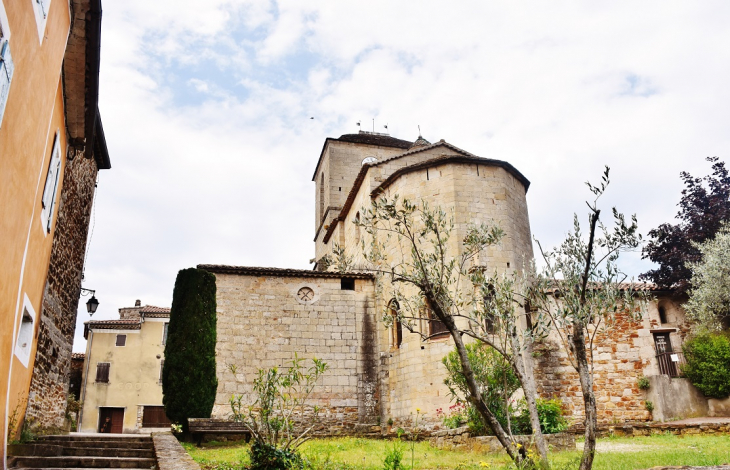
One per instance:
(206, 111)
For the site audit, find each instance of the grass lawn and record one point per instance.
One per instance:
(368, 454)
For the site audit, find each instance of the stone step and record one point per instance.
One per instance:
(81, 462)
(147, 453)
(96, 438)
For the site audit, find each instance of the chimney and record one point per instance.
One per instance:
(137, 303)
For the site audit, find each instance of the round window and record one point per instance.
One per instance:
(305, 294)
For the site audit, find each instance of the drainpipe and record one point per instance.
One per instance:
(86, 379)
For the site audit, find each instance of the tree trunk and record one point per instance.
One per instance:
(589, 399)
(527, 379)
(518, 455)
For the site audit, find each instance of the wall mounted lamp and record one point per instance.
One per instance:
(92, 304)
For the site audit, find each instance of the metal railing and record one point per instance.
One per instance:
(670, 363)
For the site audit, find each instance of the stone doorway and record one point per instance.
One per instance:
(111, 420)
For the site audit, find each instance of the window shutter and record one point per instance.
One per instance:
(102, 372)
(121, 340)
(164, 333)
(162, 365)
(6, 74)
(49, 192)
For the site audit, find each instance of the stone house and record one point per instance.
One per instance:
(266, 315)
(122, 373)
(51, 148)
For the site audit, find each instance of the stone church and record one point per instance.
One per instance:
(266, 315)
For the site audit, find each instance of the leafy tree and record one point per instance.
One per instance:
(430, 283)
(577, 295)
(189, 380)
(709, 298)
(705, 204)
(582, 289)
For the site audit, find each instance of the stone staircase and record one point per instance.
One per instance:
(84, 451)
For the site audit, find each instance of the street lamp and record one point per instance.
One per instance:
(92, 304)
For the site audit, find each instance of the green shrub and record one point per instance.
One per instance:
(708, 363)
(649, 405)
(394, 457)
(494, 376)
(268, 457)
(551, 417)
(643, 383)
(189, 381)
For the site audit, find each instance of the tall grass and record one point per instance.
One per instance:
(368, 454)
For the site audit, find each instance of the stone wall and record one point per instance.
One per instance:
(622, 353)
(412, 374)
(262, 322)
(49, 385)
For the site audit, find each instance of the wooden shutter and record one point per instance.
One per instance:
(6, 73)
(102, 372)
(164, 333)
(162, 364)
(154, 417)
(49, 192)
(121, 340)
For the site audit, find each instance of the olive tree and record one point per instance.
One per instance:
(410, 245)
(581, 290)
(575, 296)
(709, 298)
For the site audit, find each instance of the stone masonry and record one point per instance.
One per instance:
(264, 320)
(50, 382)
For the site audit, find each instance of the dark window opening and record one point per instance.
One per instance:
(121, 340)
(102, 372)
(436, 328)
(490, 319)
(662, 315)
(396, 338)
(347, 283)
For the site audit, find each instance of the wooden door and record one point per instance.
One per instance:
(111, 420)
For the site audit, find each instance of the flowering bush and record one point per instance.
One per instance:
(455, 417)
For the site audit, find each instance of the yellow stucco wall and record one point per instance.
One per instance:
(33, 114)
(133, 375)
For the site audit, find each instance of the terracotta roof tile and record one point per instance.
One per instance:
(130, 324)
(152, 309)
(259, 271)
(78, 356)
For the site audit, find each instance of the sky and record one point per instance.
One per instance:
(207, 110)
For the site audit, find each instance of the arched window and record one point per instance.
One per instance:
(396, 329)
(490, 319)
(321, 197)
(436, 329)
(662, 314)
(357, 228)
